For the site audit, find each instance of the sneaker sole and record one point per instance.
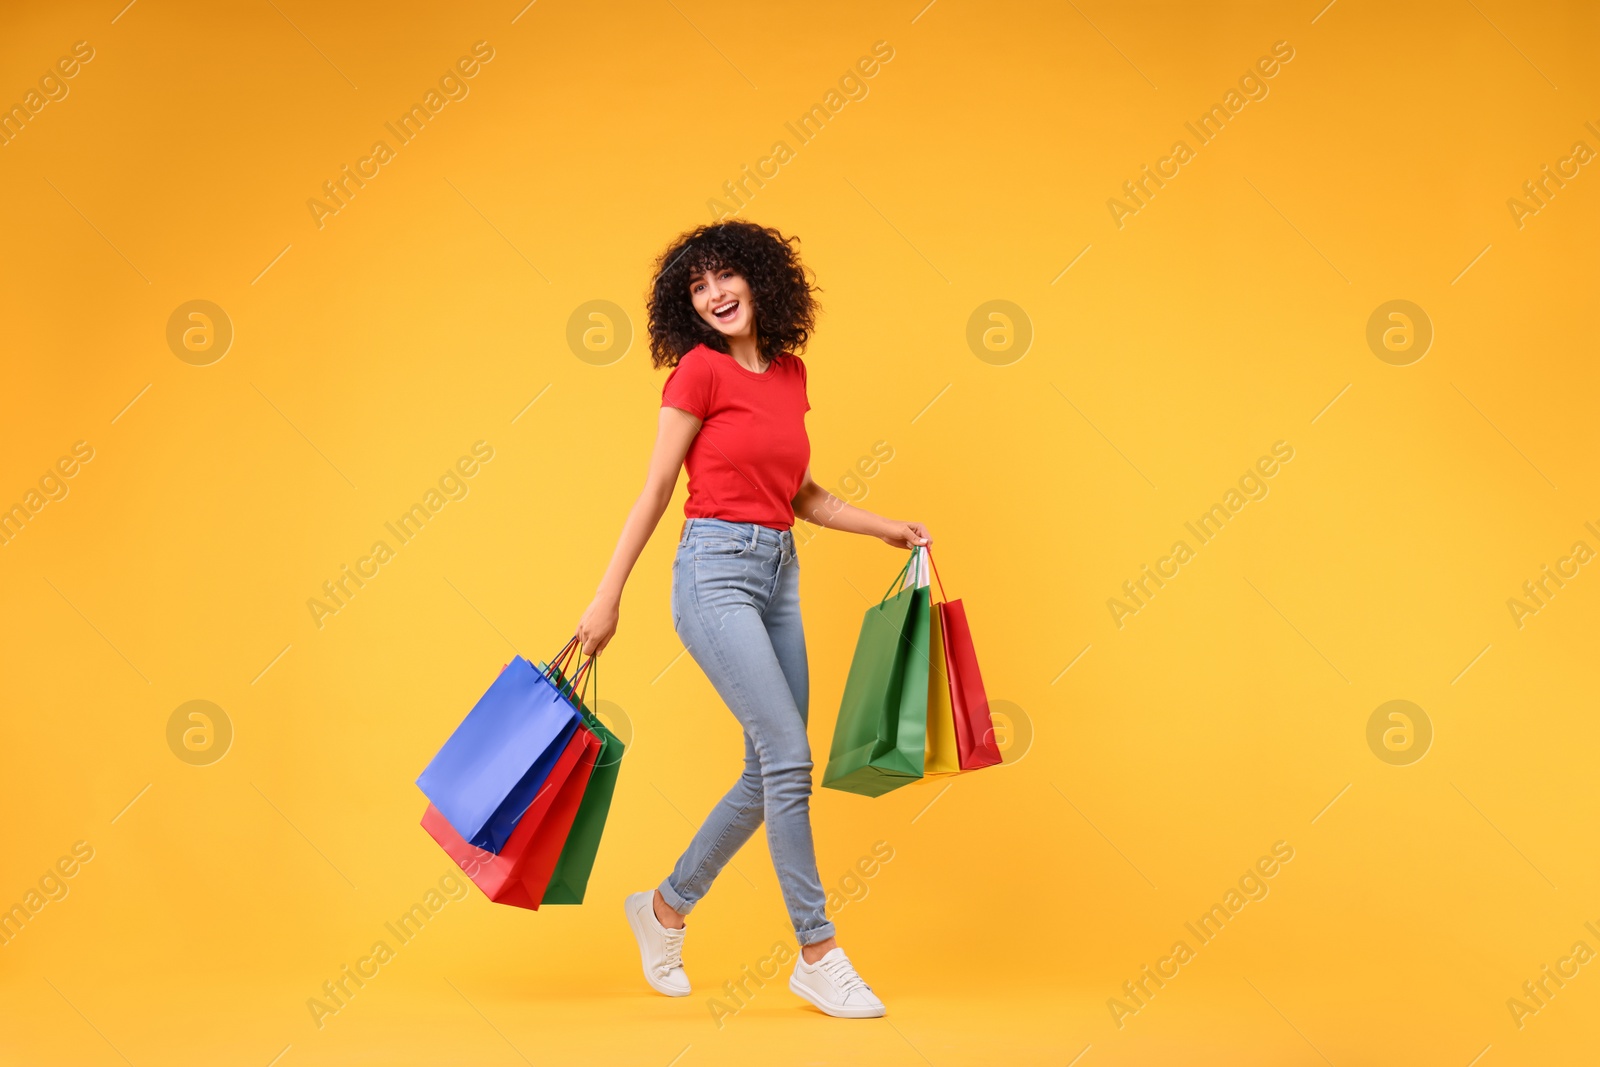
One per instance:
(832, 1009)
(644, 963)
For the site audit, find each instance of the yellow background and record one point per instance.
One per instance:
(1226, 716)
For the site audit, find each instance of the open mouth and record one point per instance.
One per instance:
(726, 312)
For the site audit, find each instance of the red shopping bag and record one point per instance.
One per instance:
(975, 739)
(520, 872)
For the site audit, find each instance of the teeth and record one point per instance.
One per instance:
(725, 308)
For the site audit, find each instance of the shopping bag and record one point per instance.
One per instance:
(943, 754)
(941, 757)
(520, 872)
(571, 876)
(975, 738)
(880, 738)
(492, 766)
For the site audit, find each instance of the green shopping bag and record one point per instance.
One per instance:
(571, 876)
(881, 735)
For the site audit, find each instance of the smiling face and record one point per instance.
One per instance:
(722, 298)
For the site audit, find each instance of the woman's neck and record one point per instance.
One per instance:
(746, 352)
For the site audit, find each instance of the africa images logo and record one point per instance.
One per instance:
(1207, 128)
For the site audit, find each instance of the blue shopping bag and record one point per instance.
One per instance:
(491, 768)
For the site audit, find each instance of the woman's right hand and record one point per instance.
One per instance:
(598, 625)
(907, 535)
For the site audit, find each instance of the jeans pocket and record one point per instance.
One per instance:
(720, 548)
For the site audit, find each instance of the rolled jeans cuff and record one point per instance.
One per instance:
(674, 901)
(821, 933)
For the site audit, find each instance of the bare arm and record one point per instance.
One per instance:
(816, 505)
(675, 430)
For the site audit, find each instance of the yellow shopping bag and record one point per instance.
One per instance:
(942, 756)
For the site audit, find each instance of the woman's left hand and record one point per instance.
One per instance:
(907, 535)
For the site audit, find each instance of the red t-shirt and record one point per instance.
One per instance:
(750, 456)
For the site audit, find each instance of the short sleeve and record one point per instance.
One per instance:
(804, 392)
(689, 386)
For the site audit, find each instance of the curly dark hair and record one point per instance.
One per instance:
(785, 310)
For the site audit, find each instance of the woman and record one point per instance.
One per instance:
(730, 311)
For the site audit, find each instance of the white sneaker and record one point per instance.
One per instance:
(833, 985)
(660, 948)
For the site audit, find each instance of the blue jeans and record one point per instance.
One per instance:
(736, 607)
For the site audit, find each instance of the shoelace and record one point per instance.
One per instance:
(843, 975)
(672, 957)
